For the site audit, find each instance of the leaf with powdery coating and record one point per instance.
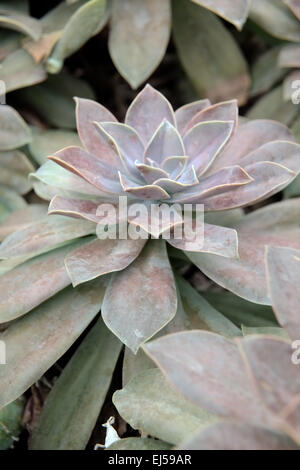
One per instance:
(152, 302)
(276, 224)
(203, 367)
(21, 218)
(237, 436)
(37, 340)
(14, 131)
(139, 443)
(139, 37)
(148, 403)
(234, 11)
(283, 275)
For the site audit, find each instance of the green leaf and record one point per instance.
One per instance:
(10, 423)
(10, 201)
(76, 32)
(148, 403)
(46, 142)
(200, 37)
(14, 131)
(19, 70)
(265, 330)
(71, 410)
(139, 37)
(37, 340)
(15, 168)
(265, 71)
(138, 443)
(12, 19)
(235, 11)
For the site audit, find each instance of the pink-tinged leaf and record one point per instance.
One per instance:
(234, 11)
(294, 5)
(175, 166)
(101, 257)
(276, 225)
(139, 35)
(268, 178)
(228, 435)
(248, 137)
(187, 179)
(184, 114)
(147, 112)
(37, 340)
(76, 208)
(152, 302)
(216, 240)
(283, 275)
(284, 153)
(87, 112)
(41, 236)
(14, 131)
(205, 141)
(160, 219)
(128, 143)
(166, 142)
(151, 173)
(203, 367)
(289, 56)
(275, 377)
(224, 180)
(90, 168)
(150, 191)
(34, 281)
(21, 218)
(226, 111)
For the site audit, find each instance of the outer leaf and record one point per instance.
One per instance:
(185, 113)
(9, 201)
(48, 141)
(71, 410)
(265, 71)
(152, 304)
(20, 22)
(15, 168)
(21, 218)
(234, 11)
(199, 37)
(10, 423)
(237, 436)
(283, 274)
(14, 132)
(139, 37)
(149, 404)
(19, 70)
(137, 443)
(36, 341)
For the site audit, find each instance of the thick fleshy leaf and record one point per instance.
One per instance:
(77, 208)
(237, 436)
(100, 257)
(290, 56)
(15, 168)
(268, 361)
(284, 153)
(46, 142)
(34, 281)
(88, 167)
(9, 201)
(226, 111)
(151, 173)
(14, 131)
(249, 137)
(41, 236)
(199, 36)
(268, 178)
(139, 443)
(187, 179)
(157, 220)
(12, 19)
(166, 142)
(276, 224)
(187, 112)
(10, 427)
(81, 26)
(152, 303)
(72, 408)
(203, 315)
(147, 112)
(265, 71)
(37, 340)
(21, 218)
(235, 11)
(205, 141)
(265, 330)
(19, 70)
(211, 239)
(203, 367)
(283, 274)
(148, 403)
(276, 18)
(87, 112)
(294, 5)
(139, 37)
(150, 191)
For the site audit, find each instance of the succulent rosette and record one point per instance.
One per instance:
(197, 155)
